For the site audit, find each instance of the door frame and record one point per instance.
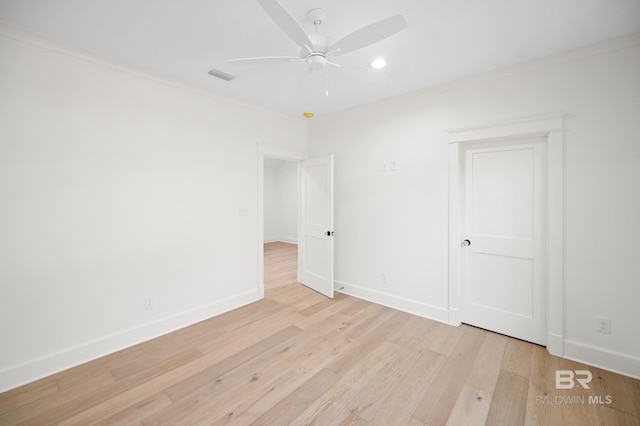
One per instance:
(551, 129)
(280, 154)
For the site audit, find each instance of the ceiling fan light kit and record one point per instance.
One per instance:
(316, 49)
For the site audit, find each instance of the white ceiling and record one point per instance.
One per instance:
(445, 40)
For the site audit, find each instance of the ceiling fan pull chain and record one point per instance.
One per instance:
(326, 84)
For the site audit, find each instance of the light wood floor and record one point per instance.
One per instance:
(299, 358)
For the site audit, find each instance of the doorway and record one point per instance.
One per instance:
(315, 219)
(503, 222)
(549, 131)
(280, 207)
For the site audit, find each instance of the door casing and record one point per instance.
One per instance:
(551, 129)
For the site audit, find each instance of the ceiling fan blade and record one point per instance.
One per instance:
(369, 35)
(266, 60)
(286, 22)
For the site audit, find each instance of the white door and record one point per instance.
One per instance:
(503, 269)
(315, 246)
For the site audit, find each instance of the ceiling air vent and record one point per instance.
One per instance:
(222, 75)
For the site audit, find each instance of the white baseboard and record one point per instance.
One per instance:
(555, 344)
(287, 240)
(47, 365)
(400, 303)
(602, 358)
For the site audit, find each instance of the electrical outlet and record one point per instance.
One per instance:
(384, 278)
(603, 325)
(148, 302)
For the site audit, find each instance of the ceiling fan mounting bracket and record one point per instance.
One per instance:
(317, 16)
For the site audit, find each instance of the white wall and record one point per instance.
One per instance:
(280, 201)
(396, 222)
(115, 186)
(271, 202)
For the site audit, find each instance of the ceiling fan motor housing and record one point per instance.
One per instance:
(320, 44)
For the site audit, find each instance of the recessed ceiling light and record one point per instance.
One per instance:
(378, 63)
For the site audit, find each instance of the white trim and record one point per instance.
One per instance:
(41, 367)
(425, 310)
(539, 125)
(602, 358)
(281, 154)
(551, 128)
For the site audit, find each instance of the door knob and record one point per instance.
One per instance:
(465, 243)
(329, 233)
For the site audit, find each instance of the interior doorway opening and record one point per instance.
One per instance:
(315, 263)
(280, 221)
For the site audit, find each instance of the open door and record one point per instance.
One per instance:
(315, 245)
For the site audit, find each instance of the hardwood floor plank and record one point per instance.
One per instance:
(574, 411)
(203, 402)
(542, 384)
(485, 370)
(229, 342)
(202, 377)
(397, 408)
(437, 403)
(608, 384)
(379, 315)
(289, 408)
(633, 388)
(517, 357)
(471, 407)
(362, 346)
(610, 416)
(414, 334)
(374, 392)
(352, 380)
(122, 394)
(443, 338)
(27, 394)
(353, 420)
(509, 402)
(78, 399)
(345, 323)
(249, 401)
(137, 412)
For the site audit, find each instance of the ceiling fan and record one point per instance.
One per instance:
(317, 50)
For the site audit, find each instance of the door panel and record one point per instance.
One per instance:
(316, 221)
(503, 267)
(503, 192)
(507, 284)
